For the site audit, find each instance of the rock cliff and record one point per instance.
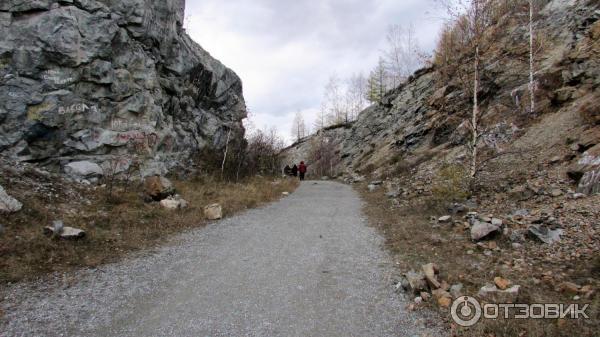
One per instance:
(110, 82)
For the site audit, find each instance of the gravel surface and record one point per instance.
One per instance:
(305, 266)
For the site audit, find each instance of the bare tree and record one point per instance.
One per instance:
(334, 101)
(299, 129)
(403, 55)
(356, 94)
(321, 120)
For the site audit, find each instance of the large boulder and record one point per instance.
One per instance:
(8, 204)
(158, 187)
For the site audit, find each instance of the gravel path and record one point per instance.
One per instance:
(305, 266)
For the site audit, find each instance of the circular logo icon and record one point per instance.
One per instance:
(466, 311)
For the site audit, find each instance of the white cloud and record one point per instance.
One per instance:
(284, 50)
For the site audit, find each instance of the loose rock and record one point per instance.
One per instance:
(8, 204)
(416, 282)
(544, 234)
(213, 212)
(174, 202)
(158, 188)
(492, 294)
(481, 230)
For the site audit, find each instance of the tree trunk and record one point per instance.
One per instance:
(531, 60)
(475, 117)
(225, 155)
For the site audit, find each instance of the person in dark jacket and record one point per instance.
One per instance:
(302, 170)
(295, 170)
(287, 171)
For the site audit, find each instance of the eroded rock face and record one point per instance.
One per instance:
(91, 80)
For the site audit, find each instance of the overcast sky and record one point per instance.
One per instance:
(285, 50)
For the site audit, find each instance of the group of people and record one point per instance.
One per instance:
(296, 170)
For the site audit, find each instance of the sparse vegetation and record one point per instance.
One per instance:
(114, 227)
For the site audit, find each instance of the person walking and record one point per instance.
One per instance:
(287, 171)
(302, 170)
(295, 170)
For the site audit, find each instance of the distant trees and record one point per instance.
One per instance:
(377, 86)
(403, 54)
(299, 128)
(356, 96)
(342, 100)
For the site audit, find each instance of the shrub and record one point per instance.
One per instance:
(452, 184)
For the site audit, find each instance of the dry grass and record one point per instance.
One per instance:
(414, 241)
(114, 229)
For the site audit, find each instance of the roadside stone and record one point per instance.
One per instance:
(443, 298)
(556, 192)
(8, 204)
(496, 222)
(58, 229)
(492, 294)
(376, 182)
(285, 194)
(416, 282)
(445, 219)
(457, 208)
(392, 194)
(481, 230)
(430, 270)
(174, 202)
(544, 234)
(501, 283)
(372, 188)
(570, 288)
(425, 296)
(213, 212)
(158, 187)
(456, 290)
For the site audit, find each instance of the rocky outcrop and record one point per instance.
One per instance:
(428, 116)
(110, 80)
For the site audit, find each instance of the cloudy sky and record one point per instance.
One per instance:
(285, 50)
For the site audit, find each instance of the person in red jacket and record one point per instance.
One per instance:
(302, 170)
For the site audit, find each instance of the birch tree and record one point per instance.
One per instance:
(532, 84)
(474, 11)
(403, 53)
(299, 129)
(334, 101)
(356, 93)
